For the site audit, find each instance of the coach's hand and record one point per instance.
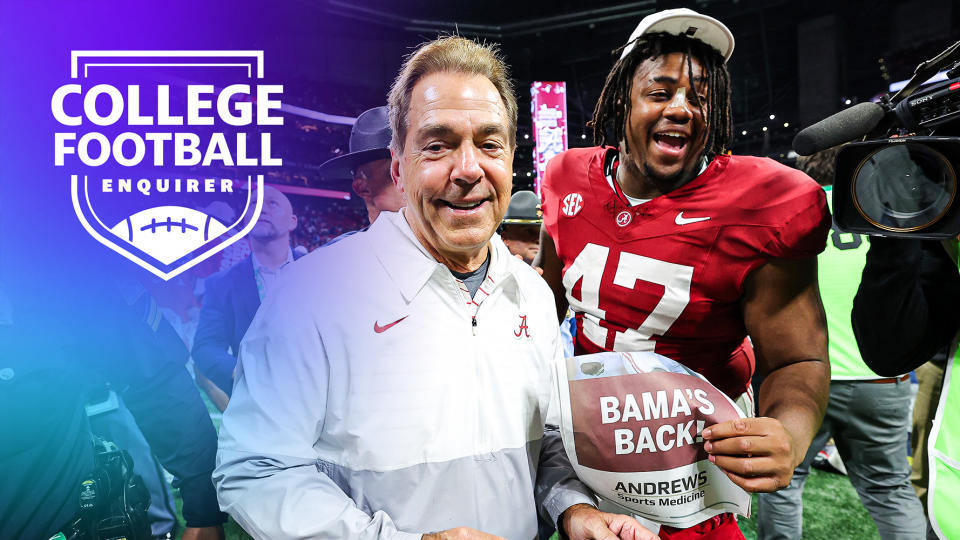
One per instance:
(758, 454)
(584, 522)
(461, 533)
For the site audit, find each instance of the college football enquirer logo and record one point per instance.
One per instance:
(165, 150)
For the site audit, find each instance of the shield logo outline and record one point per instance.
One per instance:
(209, 248)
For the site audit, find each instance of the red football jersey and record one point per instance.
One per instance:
(668, 275)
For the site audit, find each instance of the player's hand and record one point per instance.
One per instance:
(537, 268)
(758, 454)
(203, 533)
(584, 522)
(461, 533)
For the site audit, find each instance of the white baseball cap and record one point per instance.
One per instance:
(685, 22)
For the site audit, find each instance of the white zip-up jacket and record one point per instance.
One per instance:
(375, 399)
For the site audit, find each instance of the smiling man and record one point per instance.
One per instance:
(396, 384)
(661, 241)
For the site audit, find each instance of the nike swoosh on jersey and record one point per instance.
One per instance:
(381, 329)
(684, 221)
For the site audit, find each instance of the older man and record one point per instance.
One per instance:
(397, 383)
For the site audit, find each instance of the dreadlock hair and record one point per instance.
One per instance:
(613, 109)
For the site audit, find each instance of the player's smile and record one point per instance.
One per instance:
(666, 131)
(671, 142)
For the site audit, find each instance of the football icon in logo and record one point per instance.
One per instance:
(168, 232)
(168, 238)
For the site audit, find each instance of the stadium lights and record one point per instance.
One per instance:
(786, 124)
(764, 128)
(744, 132)
(529, 173)
(583, 136)
(847, 102)
(773, 116)
(526, 136)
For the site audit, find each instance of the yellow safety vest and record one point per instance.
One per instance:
(943, 495)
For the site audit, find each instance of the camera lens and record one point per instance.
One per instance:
(904, 187)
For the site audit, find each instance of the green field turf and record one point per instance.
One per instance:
(831, 510)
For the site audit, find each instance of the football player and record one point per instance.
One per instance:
(661, 241)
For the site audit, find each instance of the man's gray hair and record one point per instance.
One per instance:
(451, 54)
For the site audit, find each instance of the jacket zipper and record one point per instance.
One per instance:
(473, 324)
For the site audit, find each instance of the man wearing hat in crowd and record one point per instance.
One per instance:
(520, 230)
(368, 164)
(664, 242)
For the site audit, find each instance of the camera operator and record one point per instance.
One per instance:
(904, 311)
(58, 340)
(867, 416)
(898, 184)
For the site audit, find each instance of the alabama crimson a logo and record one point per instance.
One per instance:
(572, 204)
(523, 331)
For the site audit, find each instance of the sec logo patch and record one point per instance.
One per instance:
(572, 204)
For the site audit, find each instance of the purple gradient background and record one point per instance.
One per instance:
(50, 266)
(38, 227)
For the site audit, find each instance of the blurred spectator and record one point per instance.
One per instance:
(232, 297)
(520, 229)
(322, 219)
(368, 164)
